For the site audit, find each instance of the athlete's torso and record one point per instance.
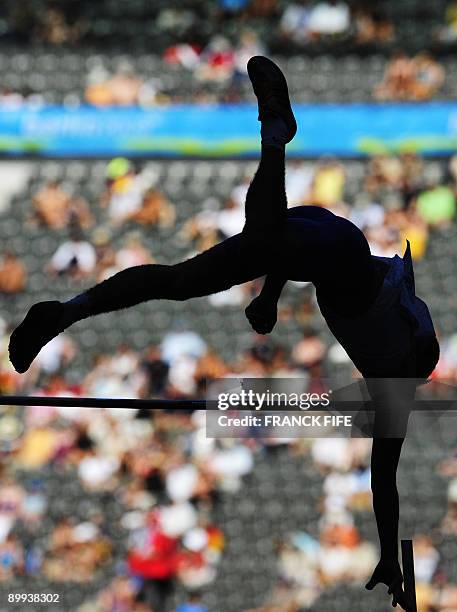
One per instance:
(380, 339)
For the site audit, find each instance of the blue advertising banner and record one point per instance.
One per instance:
(229, 130)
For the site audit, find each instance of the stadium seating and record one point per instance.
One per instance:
(61, 76)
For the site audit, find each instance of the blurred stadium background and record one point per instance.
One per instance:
(119, 511)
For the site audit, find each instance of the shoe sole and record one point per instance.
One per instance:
(263, 70)
(24, 344)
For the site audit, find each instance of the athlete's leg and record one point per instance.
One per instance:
(266, 201)
(209, 272)
(266, 204)
(235, 261)
(392, 402)
(214, 270)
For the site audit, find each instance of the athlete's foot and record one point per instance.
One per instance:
(41, 324)
(270, 87)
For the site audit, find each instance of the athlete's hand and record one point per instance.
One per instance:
(389, 573)
(262, 314)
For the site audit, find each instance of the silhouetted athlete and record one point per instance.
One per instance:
(368, 302)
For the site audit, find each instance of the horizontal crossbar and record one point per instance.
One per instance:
(100, 402)
(200, 404)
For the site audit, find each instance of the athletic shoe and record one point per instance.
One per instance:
(40, 325)
(270, 87)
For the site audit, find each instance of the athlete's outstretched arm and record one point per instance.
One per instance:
(392, 403)
(272, 287)
(262, 312)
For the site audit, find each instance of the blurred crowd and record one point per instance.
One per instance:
(411, 78)
(149, 482)
(138, 491)
(397, 197)
(340, 555)
(301, 22)
(222, 63)
(213, 41)
(216, 74)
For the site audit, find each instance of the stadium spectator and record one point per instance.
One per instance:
(154, 557)
(12, 497)
(56, 354)
(430, 76)
(233, 6)
(13, 275)
(309, 351)
(181, 349)
(371, 26)
(201, 230)
(75, 552)
(448, 32)
(426, 559)
(230, 220)
(123, 197)
(179, 342)
(11, 558)
(16, 98)
(411, 78)
(97, 472)
(182, 54)
(437, 205)
(248, 45)
(156, 371)
(412, 176)
(294, 24)
(384, 240)
(116, 375)
(177, 21)
(217, 61)
(238, 193)
(328, 183)
(384, 172)
(51, 205)
(329, 18)
(299, 180)
(155, 210)
(123, 88)
(399, 79)
(414, 228)
(235, 296)
(193, 604)
(209, 367)
(119, 595)
(133, 253)
(53, 27)
(56, 209)
(75, 257)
